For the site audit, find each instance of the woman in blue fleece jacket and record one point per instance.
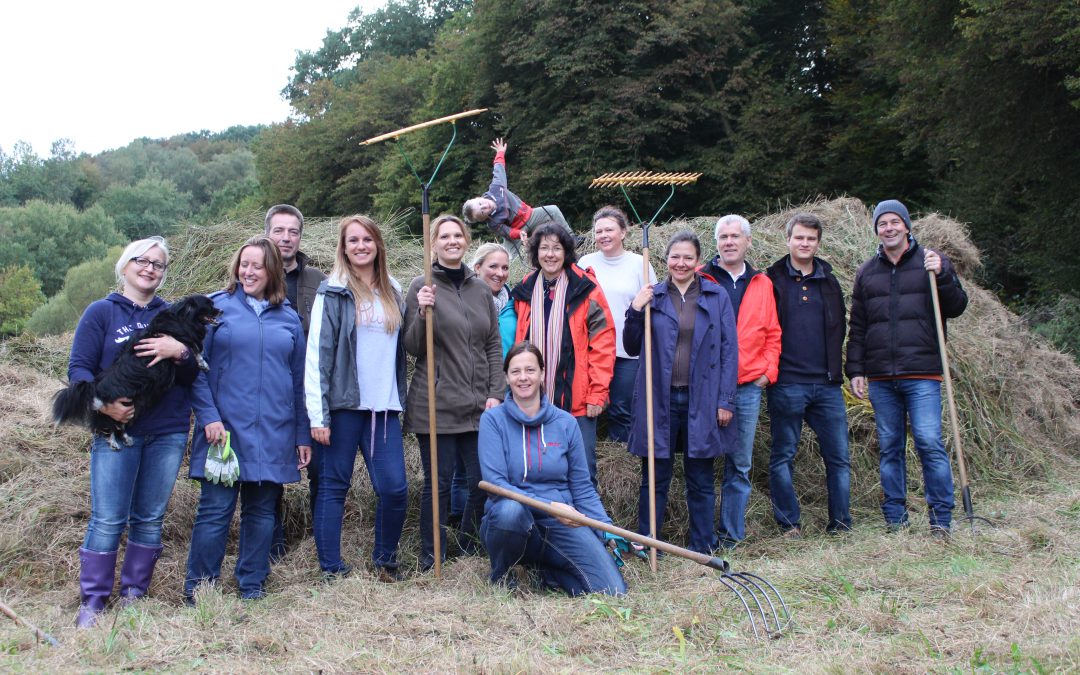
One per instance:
(130, 486)
(532, 447)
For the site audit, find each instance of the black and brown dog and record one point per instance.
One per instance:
(129, 377)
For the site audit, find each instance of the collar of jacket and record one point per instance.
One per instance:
(781, 266)
(579, 283)
(913, 246)
(301, 261)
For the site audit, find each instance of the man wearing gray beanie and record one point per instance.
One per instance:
(893, 355)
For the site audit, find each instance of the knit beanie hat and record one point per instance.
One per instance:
(891, 206)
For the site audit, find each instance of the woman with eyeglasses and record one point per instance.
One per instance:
(130, 486)
(562, 310)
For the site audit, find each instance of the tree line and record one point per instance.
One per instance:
(968, 107)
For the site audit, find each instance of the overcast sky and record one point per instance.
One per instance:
(105, 72)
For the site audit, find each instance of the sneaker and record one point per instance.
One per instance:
(389, 575)
(939, 532)
(340, 573)
(893, 528)
(792, 534)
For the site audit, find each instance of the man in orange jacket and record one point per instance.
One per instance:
(758, 331)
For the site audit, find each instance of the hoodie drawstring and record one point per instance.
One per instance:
(526, 443)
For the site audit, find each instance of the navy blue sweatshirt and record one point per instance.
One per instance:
(104, 328)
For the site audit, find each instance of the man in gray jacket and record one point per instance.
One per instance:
(285, 227)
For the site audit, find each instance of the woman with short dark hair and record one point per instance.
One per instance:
(695, 368)
(562, 311)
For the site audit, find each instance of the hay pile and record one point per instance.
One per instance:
(1016, 399)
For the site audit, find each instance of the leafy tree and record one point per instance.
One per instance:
(399, 28)
(20, 295)
(83, 284)
(50, 238)
(151, 206)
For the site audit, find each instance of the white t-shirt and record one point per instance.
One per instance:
(620, 279)
(376, 360)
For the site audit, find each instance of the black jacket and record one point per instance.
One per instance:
(892, 321)
(835, 324)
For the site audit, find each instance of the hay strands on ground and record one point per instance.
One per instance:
(622, 180)
(769, 608)
(954, 421)
(425, 210)
(38, 633)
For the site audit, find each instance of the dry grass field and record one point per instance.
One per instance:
(997, 600)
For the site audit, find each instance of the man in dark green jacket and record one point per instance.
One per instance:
(285, 227)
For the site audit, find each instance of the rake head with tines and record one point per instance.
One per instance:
(625, 179)
(639, 178)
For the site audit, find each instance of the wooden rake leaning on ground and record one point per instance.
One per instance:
(429, 327)
(762, 601)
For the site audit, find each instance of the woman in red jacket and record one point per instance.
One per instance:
(561, 309)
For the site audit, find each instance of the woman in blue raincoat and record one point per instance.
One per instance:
(695, 368)
(254, 391)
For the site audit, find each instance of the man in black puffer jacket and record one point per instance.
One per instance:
(893, 353)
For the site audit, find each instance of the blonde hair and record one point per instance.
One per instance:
(137, 249)
(275, 269)
(484, 251)
(447, 218)
(362, 293)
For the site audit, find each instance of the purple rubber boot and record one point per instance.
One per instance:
(96, 575)
(138, 569)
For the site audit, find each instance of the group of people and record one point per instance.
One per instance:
(307, 370)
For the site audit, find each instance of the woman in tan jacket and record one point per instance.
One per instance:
(468, 376)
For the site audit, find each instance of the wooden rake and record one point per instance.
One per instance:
(762, 601)
(425, 187)
(623, 180)
(954, 419)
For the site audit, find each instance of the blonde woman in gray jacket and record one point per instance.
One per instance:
(468, 377)
(354, 382)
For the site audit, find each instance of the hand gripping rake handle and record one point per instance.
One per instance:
(429, 328)
(742, 584)
(961, 465)
(623, 180)
(38, 633)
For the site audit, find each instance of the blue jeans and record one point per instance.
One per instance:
(895, 402)
(130, 488)
(450, 446)
(385, 460)
(571, 558)
(621, 396)
(735, 491)
(588, 438)
(459, 490)
(822, 406)
(211, 532)
(697, 474)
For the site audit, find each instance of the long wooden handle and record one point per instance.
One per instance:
(653, 543)
(649, 426)
(422, 125)
(947, 376)
(429, 337)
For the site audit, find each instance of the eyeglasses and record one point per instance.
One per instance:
(147, 262)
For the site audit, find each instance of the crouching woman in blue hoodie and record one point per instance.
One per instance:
(529, 446)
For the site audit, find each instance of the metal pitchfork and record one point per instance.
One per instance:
(764, 605)
(623, 180)
(428, 323)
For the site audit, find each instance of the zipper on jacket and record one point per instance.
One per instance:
(894, 307)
